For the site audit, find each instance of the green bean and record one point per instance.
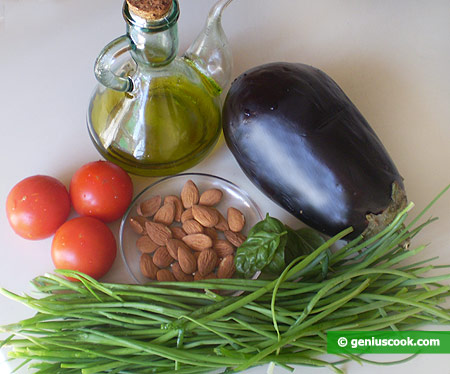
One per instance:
(295, 332)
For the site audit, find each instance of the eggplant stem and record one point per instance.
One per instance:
(378, 221)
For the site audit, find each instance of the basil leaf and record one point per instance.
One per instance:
(256, 252)
(304, 241)
(301, 242)
(311, 237)
(295, 246)
(278, 263)
(269, 224)
(264, 240)
(315, 240)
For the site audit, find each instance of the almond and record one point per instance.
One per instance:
(211, 232)
(223, 248)
(206, 261)
(191, 226)
(165, 214)
(235, 238)
(198, 242)
(148, 268)
(165, 275)
(158, 232)
(146, 245)
(178, 232)
(187, 261)
(189, 194)
(150, 206)
(175, 200)
(137, 224)
(222, 224)
(226, 267)
(198, 276)
(235, 219)
(211, 197)
(206, 216)
(172, 247)
(180, 275)
(162, 257)
(186, 215)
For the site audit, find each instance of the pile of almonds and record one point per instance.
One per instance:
(186, 238)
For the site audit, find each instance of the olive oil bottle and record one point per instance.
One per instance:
(171, 130)
(157, 114)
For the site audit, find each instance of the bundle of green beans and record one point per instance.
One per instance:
(230, 325)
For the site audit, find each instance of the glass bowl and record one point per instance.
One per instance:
(233, 196)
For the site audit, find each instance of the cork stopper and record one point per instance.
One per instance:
(151, 10)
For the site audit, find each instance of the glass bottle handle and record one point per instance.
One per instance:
(105, 60)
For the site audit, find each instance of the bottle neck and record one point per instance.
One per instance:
(154, 43)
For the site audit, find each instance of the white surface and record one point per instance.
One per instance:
(392, 58)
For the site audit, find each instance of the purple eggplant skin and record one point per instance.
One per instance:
(304, 144)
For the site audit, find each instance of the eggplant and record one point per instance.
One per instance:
(304, 144)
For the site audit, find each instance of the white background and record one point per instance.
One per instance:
(392, 58)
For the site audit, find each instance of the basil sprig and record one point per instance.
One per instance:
(259, 249)
(271, 245)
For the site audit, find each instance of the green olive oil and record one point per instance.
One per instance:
(169, 130)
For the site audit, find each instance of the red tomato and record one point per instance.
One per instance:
(101, 189)
(84, 244)
(37, 206)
